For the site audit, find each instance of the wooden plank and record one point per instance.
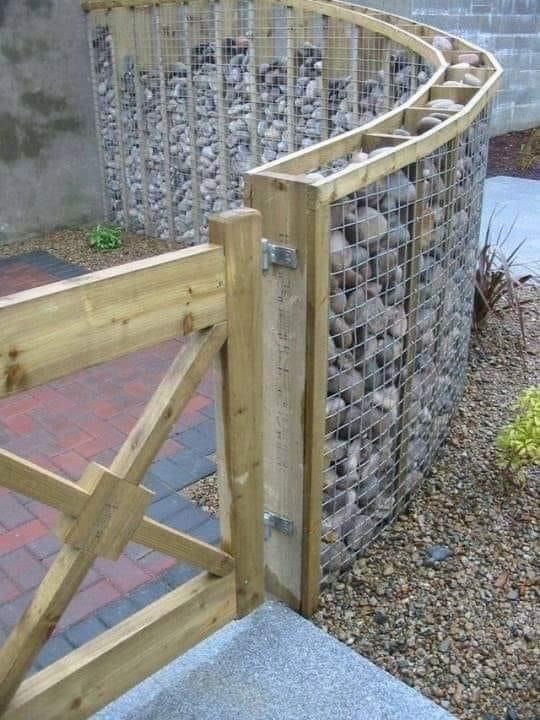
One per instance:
(240, 477)
(264, 30)
(252, 83)
(50, 331)
(192, 122)
(46, 607)
(183, 547)
(117, 43)
(316, 233)
(413, 257)
(90, 677)
(157, 41)
(139, 102)
(291, 76)
(112, 513)
(325, 75)
(284, 334)
(167, 403)
(28, 479)
(223, 156)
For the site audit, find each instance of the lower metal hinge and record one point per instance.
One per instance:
(280, 524)
(277, 255)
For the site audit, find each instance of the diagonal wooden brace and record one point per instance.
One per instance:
(110, 516)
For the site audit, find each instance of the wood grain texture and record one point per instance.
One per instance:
(167, 403)
(50, 331)
(102, 669)
(241, 410)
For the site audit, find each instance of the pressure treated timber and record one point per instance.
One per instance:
(241, 408)
(167, 403)
(52, 330)
(316, 229)
(28, 479)
(284, 337)
(96, 673)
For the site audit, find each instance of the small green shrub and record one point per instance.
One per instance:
(105, 238)
(518, 443)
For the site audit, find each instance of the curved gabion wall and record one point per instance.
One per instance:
(402, 260)
(189, 97)
(384, 122)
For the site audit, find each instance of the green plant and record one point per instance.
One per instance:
(529, 151)
(105, 238)
(518, 443)
(495, 281)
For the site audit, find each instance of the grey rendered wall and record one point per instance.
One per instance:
(49, 174)
(510, 29)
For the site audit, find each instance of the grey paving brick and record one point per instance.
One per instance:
(187, 519)
(200, 439)
(54, 649)
(189, 467)
(148, 593)
(157, 486)
(179, 575)
(115, 612)
(84, 631)
(208, 531)
(166, 507)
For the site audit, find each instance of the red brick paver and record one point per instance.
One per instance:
(62, 426)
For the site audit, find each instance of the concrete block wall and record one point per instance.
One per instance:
(508, 28)
(49, 172)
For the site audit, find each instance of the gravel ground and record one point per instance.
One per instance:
(506, 155)
(204, 493)
(464, 631)
(72, 246)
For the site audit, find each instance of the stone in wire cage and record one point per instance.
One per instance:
(402, 259)
(189, 97)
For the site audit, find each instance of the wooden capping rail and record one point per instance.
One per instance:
(56, 329)
(96, 673)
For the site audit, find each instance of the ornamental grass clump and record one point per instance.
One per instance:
(518, 443)
(105, 238)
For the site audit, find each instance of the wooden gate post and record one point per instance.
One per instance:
(240, 403)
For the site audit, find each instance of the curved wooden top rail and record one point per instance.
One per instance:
(403, 150)
(408, 34)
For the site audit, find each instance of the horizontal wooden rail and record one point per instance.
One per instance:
(96, 673)
(28, 479)
(353, 177)
(52, 330)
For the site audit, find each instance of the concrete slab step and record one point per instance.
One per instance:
(272, 665)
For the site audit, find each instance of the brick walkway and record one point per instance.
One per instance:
(64, 425)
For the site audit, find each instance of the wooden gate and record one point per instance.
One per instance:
(211, 293)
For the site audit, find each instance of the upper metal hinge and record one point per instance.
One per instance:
(280, 524)
(277, 255)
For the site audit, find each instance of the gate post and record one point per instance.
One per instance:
(239, 404)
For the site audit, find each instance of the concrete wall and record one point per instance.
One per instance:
(49, 173)
(510, 29)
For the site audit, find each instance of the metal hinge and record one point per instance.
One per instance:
(280, 524)
(277, 255)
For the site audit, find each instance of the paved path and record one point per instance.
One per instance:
(272, 665)
(64, 425)
(515, 201)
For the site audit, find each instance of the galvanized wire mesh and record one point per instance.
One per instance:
(190, 96)
(402, 260)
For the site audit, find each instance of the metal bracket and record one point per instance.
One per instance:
(280, 524)
(277, 255)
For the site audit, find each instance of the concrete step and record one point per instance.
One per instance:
(272, 665)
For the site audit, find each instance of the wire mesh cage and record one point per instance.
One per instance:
(372, 131)
(188, 97)
(402, 258)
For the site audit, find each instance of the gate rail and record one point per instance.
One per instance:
(211, 294)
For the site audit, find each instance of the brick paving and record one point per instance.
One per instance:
(64, 425)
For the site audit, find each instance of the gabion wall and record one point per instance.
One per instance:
(188, 99)
(403, 253)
